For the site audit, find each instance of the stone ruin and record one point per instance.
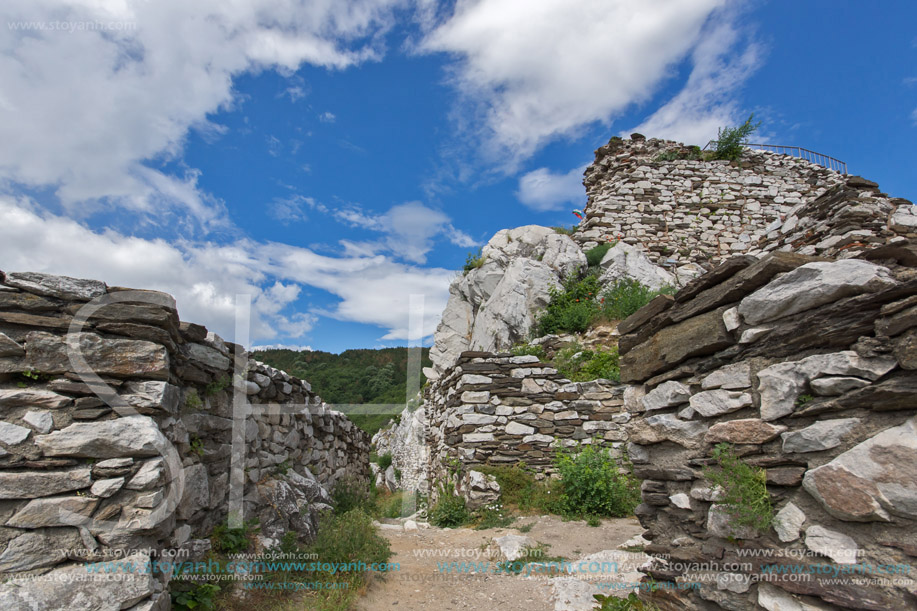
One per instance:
(128, 456)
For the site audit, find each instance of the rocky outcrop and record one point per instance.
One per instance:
(494, 306)
(406, 442)
(124, 428)
(801, 364)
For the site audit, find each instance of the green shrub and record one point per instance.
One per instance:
(231, 540)
(592, 484)
(595, 255)
(565, 230)
(351, 493)
(192, 400)
(573, 307)
(729, 139)
(580, 365)
(626, 296)
(450, 510)
(519, 488)
(631, 603)
(492, 516)
(350, 537)
(473, 260)
(385, 461)
(745, 495)
(198, 598)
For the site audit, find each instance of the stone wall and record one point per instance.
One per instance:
(129, 452)
(695, 211)
(500, 409)
(808, 367)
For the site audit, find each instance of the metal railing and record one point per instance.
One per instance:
(796, 151)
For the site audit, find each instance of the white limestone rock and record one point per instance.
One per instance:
(667, 394)
(812, 285)
(822, 435)
(625, 261)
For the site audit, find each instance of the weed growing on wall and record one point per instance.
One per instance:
(595, 255)
(474, 260)
(744, 487)
(729, 139)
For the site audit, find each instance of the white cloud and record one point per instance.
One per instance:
(327, 117)
(84, 112)
(707, 101)
(289, 209)
(544, 190)
(535, 71)
(410, 229)
(205, 277)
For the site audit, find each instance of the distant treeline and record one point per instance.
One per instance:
(354, 376)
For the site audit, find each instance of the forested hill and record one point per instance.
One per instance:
(354, 376)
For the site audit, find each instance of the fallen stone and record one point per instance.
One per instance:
(822, 435)
(130, 436)
(513, 547)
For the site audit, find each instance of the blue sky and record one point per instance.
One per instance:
(331, 158)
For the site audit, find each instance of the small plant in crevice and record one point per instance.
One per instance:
(385, 461)
(192, 400)
(473, 260)
(217, 385)
(745, 495)
(283, 468)
(30, 377)
(803, 400)
(563, 229)
(197, 446)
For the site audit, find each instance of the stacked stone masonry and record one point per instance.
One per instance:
(138, 460)
(808, 367)
(693, 211)
(500, 409)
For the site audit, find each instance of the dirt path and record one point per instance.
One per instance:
(423, 584)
